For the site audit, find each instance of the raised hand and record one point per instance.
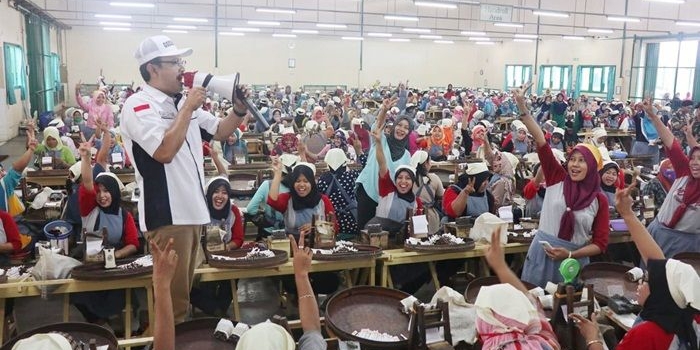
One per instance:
(494, 254)
(519, 96)
(164, 263)
(195, 98)
(388, 103)
(469, 189)
(302, 255)
(648, 107)
(85, 150)
(377, 135)
(277, 165)
(623, 199)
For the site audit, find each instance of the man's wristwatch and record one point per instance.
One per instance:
(240, 114)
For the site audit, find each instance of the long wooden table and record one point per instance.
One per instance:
(208, 274)
(67, 286)
(54, 178)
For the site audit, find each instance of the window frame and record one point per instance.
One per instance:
(14, 70)
(599, 90)
(562, 68)
(526, 74)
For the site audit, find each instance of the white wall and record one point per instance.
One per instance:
(11, 31)
(325, 60)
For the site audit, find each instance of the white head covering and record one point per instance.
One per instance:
(266, 336)
(75, 169)
(356, 121)
(559, 155)
(419, 158)
(405, 167)
(422, 129)
(683, 283)
(51, 131)
(335, 158)
(505, 300)
(597, 134)
(446, 122)
(512, 159)
(288, 160)
(44, 341)
(518, 125)
(476, 168)
(311, 125)
(311, 166)
(119, 182)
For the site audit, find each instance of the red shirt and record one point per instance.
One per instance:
(11, 230)
(237, 233)
(282, 203)
(87, 201)
(648, 336)
(530, 190)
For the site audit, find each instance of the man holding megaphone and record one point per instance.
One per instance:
(163, 133)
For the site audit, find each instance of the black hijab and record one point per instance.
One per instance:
(311, 200)
(603, 186)
(463, 181)
(409, 196)
(397, 148)
(112, 186)
(223, 213)
(663, 311)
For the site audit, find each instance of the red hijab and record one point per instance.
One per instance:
(579, 194)
(690, 196)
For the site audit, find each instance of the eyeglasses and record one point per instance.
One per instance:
(178, 62)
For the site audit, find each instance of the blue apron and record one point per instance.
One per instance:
(539, 268)
(115, 227)
(477, 205)
(225, 225)
(534, 206)
(673, 241)
(519, 147)
(293, 219)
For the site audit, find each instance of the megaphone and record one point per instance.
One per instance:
(224, 86)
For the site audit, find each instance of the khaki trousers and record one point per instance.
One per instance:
(186, 242)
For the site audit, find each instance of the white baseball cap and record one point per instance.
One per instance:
(158, 46)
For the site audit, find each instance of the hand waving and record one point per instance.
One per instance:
(164, 263)
(623, 199)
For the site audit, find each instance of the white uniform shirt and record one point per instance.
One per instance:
(173, 193)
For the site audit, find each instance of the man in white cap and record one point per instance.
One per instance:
(163, 133)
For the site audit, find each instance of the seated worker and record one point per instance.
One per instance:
(659, 186)
(338, 184)
(53, 147)
(9, 236)
(557, 139)
(534, 192)
(10, 179)
(507, 315)
(469, 196)
(235, 150)
(99, 207)
(609, 179)
(428, 188)
(669, 295)
(502, 183)
(395, 196)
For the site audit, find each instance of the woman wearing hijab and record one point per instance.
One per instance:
(534, 192)
(96, 108)
(214, 298)
(676, 228)
(303, 200)
(395, 195)
(395, 146)
(437, 144)
(575, 211)
(429, 189)
(518, 141)
(507, 316)
(646, 133)
(235, 150)
(287, 144)
(669, 295)
(470, 195)
(99, 208)
(609, 178)
(53, 147)
(502, 183)
(557, 139)
(338, 184)
(659, 186)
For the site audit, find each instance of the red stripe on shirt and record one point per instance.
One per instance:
(141, 107)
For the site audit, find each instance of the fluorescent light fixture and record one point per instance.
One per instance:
(113, 16)
(273, 10)
(669, 1)
(600, 30)
(689, 24)
(623, 19)
(478, 38)
(356, 38)
(117, 29)
(400, 40)
(550, 14)
(416, 30)
(177, 26)
(401, 18)
(444, 42)
(175, 31)
(304, 31)
(189, 19)
(115, 24)
(474, 33)
(330, 25)
(245, 29)
(278, 35)
(380, 35)
(440, 5)
(132, 4)
(572, 37)
(504, 24)
(432, 37)
(525, 36)
(523, 40)
(485, 43)
(232, 33)
(264, 23)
